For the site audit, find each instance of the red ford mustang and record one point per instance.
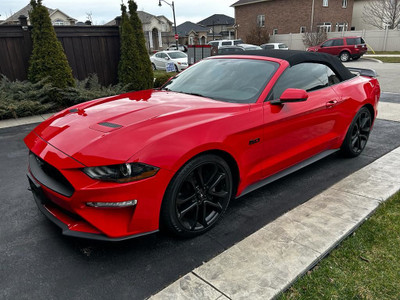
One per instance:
(127, 165)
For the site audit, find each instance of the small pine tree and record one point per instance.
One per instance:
(145, 76)
(128, 67)
(48, 59)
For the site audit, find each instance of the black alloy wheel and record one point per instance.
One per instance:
(197, 196)
(358, 133)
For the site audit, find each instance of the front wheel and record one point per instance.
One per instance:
(197, 196)
(358, 134)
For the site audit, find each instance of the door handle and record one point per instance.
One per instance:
(331, 103)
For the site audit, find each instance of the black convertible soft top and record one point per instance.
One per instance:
(294, 57)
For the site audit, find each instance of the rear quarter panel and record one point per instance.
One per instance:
(355, 93)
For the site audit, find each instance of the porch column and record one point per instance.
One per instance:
(159, 39)
(151, 39)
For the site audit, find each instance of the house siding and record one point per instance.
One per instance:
(289, 15)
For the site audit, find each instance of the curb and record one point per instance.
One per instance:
(24, 121)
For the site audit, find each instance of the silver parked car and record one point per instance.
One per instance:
(160, 60)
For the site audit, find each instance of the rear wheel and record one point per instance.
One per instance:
(344, 56)
(358, 134)
(197, 196)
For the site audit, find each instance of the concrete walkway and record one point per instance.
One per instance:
(266, 263)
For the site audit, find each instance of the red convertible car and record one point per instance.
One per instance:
(128, 165)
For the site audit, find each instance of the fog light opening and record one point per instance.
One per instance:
(112, 204)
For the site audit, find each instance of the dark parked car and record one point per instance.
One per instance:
(237, 48)
(345, 47)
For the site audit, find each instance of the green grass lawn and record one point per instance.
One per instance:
(388, 59)
(364, 266)
(383, 52)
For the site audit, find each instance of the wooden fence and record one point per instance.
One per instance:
(89, 49)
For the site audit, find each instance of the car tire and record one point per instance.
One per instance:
(154, 66)
(357, 134)
(344, 56)
(197, 196)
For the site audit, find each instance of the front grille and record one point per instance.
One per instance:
(49, 176)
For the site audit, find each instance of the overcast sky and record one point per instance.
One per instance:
(105, 10)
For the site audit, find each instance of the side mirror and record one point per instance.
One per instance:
(167, 58)
(291, 95)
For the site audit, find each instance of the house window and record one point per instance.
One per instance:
(261, 20)
(325, 3)
(302, 29)
(59, 22)
(326, 26)
(341, 26)
(275, 31)
(344, 3)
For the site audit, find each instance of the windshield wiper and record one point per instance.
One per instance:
(193, 94)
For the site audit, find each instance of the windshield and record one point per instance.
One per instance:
(225, 79)
(177, 54)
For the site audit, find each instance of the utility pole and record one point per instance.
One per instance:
(173, 12)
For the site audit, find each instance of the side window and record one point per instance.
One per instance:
(318, 76)
(338, 42)
(226, 43)
(328, 43)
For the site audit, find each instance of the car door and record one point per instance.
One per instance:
(337, 47)
(158, 60)
(326, 47)
(163, 61)
(294, 132)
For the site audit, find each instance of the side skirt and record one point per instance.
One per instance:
(285, 172)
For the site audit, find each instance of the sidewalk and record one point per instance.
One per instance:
(266, 263)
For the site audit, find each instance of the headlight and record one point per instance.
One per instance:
(121, 173)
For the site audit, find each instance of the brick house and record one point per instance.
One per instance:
(292, 16)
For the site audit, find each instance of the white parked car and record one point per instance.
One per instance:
(162, 58)
(220, 43)
(276, 46)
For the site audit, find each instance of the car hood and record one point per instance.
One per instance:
(111, 130)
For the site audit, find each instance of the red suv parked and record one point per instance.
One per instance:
(345, 47)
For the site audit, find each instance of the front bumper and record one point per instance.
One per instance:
(71, 212)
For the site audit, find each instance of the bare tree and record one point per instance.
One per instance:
(257, 36)
(314, 38)
(89, 16)
(382, 13)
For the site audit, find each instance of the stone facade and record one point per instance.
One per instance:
(292, 16)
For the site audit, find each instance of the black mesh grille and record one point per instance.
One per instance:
(49, 176)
